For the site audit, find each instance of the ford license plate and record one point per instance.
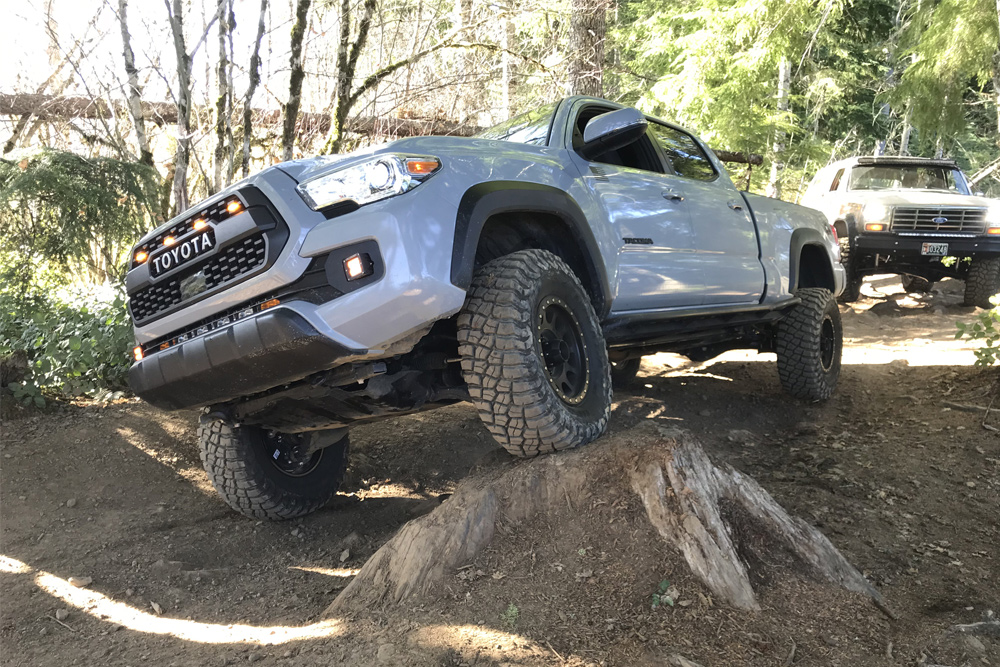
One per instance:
(937, 249)
(181, 253)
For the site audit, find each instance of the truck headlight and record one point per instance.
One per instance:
(379, 178)
(876, 217)
(993, 220)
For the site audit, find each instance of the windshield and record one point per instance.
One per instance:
(528, 128)
(906, 177)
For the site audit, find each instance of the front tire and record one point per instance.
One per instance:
(533, 355)
(852, 288)
(258, 475)
(982, 282)
(809, 346)
(916, 284)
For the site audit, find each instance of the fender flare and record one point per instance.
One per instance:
(484, 200)
(801, 238)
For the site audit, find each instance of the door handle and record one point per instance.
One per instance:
(672, 196)
(735, 205)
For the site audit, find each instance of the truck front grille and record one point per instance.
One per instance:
(967, 220)
(234, 262)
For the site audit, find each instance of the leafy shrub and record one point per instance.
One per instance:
(77, 341)
(986, 327)
(81, 213)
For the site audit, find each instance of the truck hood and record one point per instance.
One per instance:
(922, 198)
(307, 168)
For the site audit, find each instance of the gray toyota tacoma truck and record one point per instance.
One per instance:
(525, 269)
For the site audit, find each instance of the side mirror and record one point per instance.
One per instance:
(979, 193)
(611, 131)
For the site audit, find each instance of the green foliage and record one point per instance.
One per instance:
(663, 595)
(82, 214)
(952, 43)
(77, 343)
(986, 328)
(510, 616)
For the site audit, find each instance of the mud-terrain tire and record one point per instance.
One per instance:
(852, 284)
(982, 282)
(623, 372)
(916, 284)
(252, 477)
(533, 355)
(809, 345)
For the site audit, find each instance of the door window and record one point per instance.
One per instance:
(684, 153)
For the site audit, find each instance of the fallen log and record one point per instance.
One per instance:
(57, 107)
(730, 531)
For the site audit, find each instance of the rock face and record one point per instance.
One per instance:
(724, 524)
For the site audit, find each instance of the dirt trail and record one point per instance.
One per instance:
(903, 482)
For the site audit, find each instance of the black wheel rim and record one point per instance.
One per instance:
(563, 350)
(827, 344)
(287, 453)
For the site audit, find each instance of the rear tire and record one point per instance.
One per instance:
(623, 372)
(982, 282)
(253, 472)
(533, 355)
(809, 346)
(916, 284)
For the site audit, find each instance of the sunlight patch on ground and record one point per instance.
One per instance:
(473, 640)
(196, 476)
(104, 608)
(329, 572)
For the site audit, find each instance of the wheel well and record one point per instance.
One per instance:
(840, 226)
(504, 233)
(814, 269)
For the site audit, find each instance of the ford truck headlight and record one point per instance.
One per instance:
(993, 220)
(876, 217)
(379, 178)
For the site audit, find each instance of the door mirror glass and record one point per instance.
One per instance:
(611, 131)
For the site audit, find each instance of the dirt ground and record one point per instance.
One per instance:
(898, 470)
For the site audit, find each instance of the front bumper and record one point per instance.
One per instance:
(888, 243)
(249, 356)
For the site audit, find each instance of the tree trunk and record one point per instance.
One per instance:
(587, 31)
(295, 80)
(904, 141)
(134, 91)
(251, 88)
(730, 531)
(778, 149)
(223, 103)
(183, 154)
(506, 65)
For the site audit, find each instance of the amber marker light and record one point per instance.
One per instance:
(200, 223)
(233, 207)
(993, 231)
(141, 256)
(874, 227)
(170, 240)
(270, 303)
(422, 167)
(137, 352)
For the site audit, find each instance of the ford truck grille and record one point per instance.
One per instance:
(968, 220)
(234, 262)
